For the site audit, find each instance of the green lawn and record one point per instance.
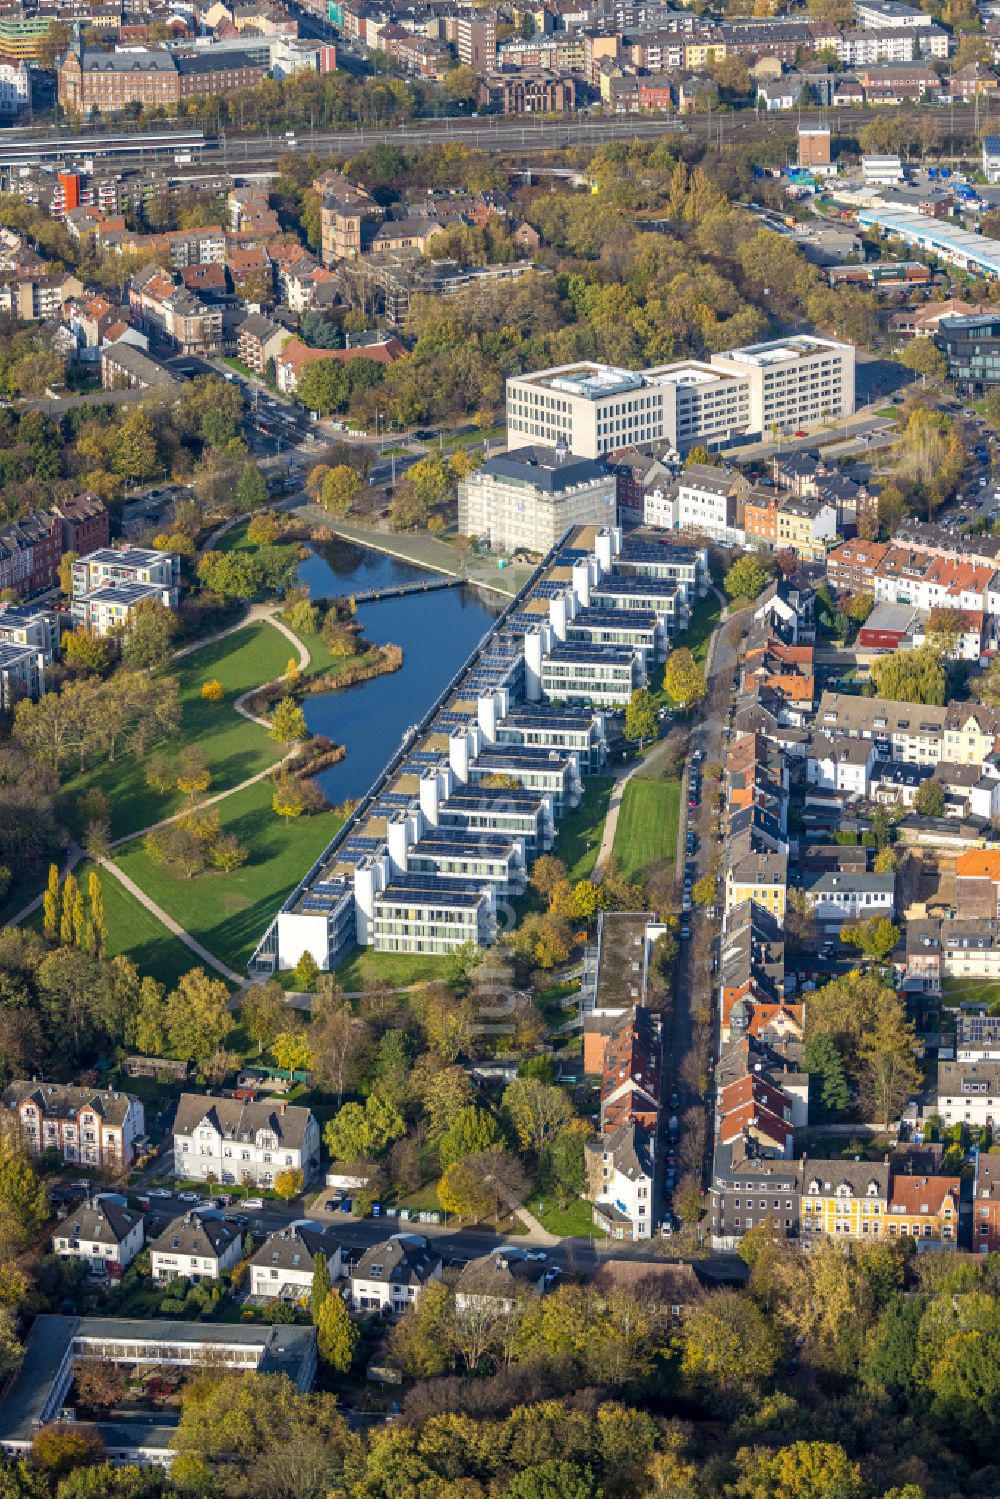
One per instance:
(228, 912)
(233, 747)
(365, 966)
(704, 618)
(134, 931)
(956, 991)
(574, 1221)
(647, 824)
(580, 831)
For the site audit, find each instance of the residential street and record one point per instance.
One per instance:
(693, 973)
(456, 1245)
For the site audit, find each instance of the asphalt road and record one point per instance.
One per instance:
(706, 736)
(456, 1246)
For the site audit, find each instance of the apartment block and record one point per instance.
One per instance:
(30, 550)
(527, 499)
(845, 1199)
(87, 1126)
(804, 526)
(22, 674)
(969, 1093)
(233, 1141)
(709, 501)
(476, 40)
(596, 409)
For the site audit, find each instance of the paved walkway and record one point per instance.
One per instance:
(75, 853)
(255, 612)
(262, 775)
(171, 925)
(622, 778)
(73, 856)
(646, 765)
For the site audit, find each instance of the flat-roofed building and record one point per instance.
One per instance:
(458, 853)
(580, 731)
(798, 381)
(30, 626)
(432, 914)
(637, 629)
(22, 674)
(666, 598)
(108, 607)
(607, 676)
(547, 771)
(55, 1345)
(527, 499)
(523, 814)
(596, 409)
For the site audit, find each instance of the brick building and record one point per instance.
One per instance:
(30, 550)
(86, 524)
(89, 79)
(527, 93)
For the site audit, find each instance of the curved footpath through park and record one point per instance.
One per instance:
(74, 854)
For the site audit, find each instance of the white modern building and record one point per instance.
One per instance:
(109, 583)
(28, 625)
(22, 674)
(890, 15)
(596, 409)
(991, 158)
(104, 1232)
(15, 87)
(237, 1142)
(199, 1246)
(526, 500)
(882, 171)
